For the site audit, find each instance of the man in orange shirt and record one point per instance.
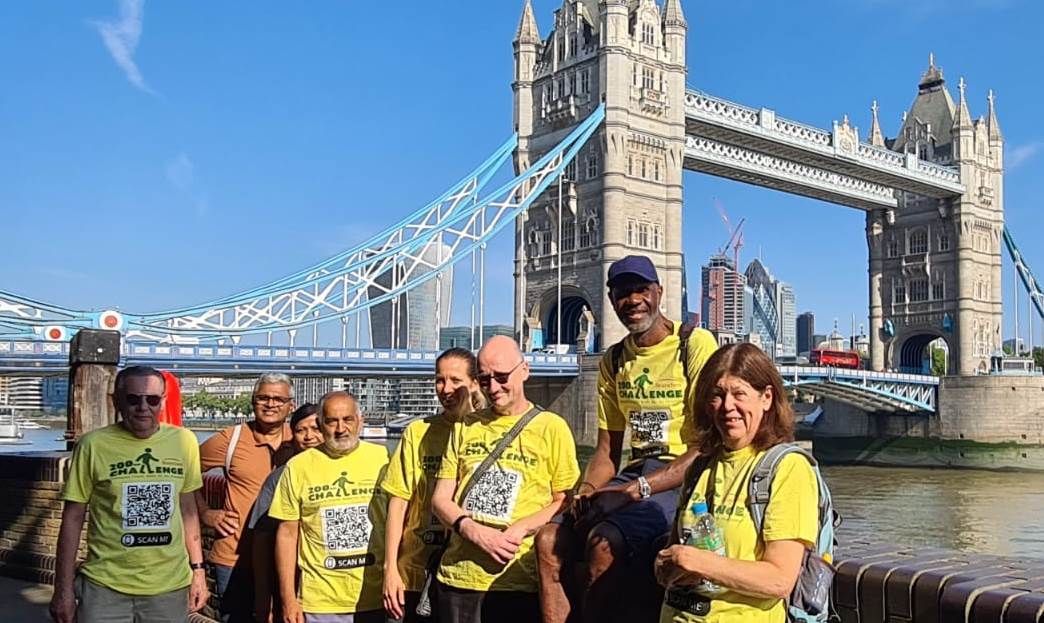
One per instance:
(247, 453)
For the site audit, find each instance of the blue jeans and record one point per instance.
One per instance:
(234, 587)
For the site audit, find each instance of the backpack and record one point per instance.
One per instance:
(809, 602)
(616, 351)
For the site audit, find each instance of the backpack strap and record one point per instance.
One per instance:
(760, 490)
(498, 450)
(684, 332)
(232, 443)
(616, 357)
(688, 486)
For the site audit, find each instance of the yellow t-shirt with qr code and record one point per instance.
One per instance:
(538, 463)
(411, 476)
(649, 393)
(792, 514)
(340, 543)
(135, 537)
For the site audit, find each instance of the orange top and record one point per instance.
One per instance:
(252, 462)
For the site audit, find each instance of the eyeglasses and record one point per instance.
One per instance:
(276, 400)
(485, 378)
(153, 400)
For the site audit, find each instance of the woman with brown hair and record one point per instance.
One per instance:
(741, 412)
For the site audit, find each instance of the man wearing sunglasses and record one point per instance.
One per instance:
(646, 385)
(488, 571)
(144, 552)
(247, 453)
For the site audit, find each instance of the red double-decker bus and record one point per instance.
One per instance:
(835, 359)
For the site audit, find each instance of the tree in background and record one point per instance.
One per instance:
(938, 362)
(1038, 356)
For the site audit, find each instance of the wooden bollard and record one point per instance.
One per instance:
(93, 357)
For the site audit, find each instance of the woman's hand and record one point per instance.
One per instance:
(394, 594)
(680, 565)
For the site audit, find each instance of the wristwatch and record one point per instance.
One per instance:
(197, 566)
(644, 490)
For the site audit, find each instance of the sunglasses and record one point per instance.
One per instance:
(153, 400)
(485, 378)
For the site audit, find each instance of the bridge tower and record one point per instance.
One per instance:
(623, 193)
(935, 265)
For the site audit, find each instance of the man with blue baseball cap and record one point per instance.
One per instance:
(646, 384)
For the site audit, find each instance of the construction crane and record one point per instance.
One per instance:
(735, 235)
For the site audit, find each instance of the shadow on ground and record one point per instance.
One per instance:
(24, 602)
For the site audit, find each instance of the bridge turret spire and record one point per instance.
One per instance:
(876, 137)
(528, 31)
(672, 13)
(994, 125)
(963, 118)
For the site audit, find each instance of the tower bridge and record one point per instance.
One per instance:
(605, 126)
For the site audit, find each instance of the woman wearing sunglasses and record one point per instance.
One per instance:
(411, 479)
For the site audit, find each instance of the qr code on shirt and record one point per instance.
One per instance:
(649, 426)
(147, 505)
(346, 528)
(494, 495)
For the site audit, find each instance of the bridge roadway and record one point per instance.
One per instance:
(871, 391)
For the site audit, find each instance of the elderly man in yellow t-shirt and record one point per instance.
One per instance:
(331, 529)
(144, 553)
(488, 572)
(646, 384)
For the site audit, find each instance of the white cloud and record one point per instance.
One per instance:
(1017, 156)
(181, 174)
(121, 38)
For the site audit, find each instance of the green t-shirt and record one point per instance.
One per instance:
(135, 539)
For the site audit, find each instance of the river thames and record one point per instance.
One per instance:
(970, 510)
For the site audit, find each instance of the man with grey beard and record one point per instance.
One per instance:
(646, 385)
(331, 515)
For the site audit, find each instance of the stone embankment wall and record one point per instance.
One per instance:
(574, 398)
(988, 422)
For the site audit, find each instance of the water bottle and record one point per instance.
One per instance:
(700, 531)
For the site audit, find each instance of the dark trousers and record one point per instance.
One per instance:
(234, 587)
(457, 605)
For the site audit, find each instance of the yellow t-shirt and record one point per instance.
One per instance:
(411, 476)
(539, 462)
(340, 545)
(135, 538)
(792, 514)
(649, 393)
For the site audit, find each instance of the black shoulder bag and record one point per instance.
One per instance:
(424, 604)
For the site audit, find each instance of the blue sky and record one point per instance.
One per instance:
(162, 153)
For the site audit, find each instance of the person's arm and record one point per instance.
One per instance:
(63, 603)
(211, 455)
(500, 546)
(773, 576)
(604, 463)
(531, 523)
(286, 568)
(394, 589)
(198, 592)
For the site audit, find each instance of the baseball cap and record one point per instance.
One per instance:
(637, 265)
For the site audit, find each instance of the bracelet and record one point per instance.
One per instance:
(458, 521)
(197, 566)
(579, 486)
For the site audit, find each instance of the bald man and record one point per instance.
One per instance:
(331, 515)
(488, 572)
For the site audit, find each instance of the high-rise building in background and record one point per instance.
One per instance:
(470, 337)
(412, 317)
(25, 392)
(772, 311)
(806, 330)
(722, 306)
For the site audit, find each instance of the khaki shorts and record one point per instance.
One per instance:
(98, 604)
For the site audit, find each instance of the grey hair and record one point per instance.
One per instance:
(273, 378)
(340, 393)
